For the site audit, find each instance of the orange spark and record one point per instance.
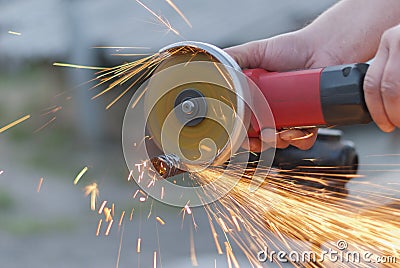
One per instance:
(159, 18)
(131, 216)
(14, 33)
(46, 124)
(223, 225)
(98, 227)
(121, 218)
(77, 66)
(107, 214)
(52, 110)
(160, 220)
(138, 245)
(130, 176)
(188, 210)
(39, 185)
(93, 191)
(120, 247)
(155, 259)
(135, 194)
(102, 206)
(215, 236)
(80, 175)
(179, 12)
(162, 192)
(16, 122)
(193, 257)
(109, 227)
(230, 256)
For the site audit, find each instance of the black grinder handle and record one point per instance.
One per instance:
(342, 94)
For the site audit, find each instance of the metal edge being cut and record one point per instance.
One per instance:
(242, 95)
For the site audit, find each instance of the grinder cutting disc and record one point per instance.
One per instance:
(194, 104)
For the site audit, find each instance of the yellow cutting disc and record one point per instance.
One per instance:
(194, 70)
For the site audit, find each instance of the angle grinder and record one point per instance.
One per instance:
(198, 79)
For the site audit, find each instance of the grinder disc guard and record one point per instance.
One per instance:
(192, 106)
(196, 105)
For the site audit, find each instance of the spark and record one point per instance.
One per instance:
(52, 110)
(138, 245)
(188, 210)
(223, 225)
(99, 227)
(293, 211)
(193, 257)
(80, 175)
(107, 214)
(231, 257)
(120, 247)
(214, 233)
(155, 259)
(14, 123)
(161, 221)
(112, 209)
(121, 218)
(279, 205)
(135, 194)
(142, 199)
(77, 66)
(131, 215)
(1, 172)
(39, 185)
(93, 191)
(130, 176)
(162, 192)
(234, 218)
(102, 206)
(159, 18)
(306, 136)
(14, 33)
(179, 12)
(109, 227)
(46, 124)
(227, 80)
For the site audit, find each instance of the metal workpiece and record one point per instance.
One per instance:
(168, 165)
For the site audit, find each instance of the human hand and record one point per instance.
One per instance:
(382, 82)
(282, 53)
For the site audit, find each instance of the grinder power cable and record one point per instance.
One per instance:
(295, 99)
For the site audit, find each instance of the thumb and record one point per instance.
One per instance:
(249, 55)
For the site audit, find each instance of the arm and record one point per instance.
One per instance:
(351, 30)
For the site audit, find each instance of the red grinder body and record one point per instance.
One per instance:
(314, 97)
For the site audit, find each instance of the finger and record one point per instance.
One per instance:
(303, 139)
(252, 145)
(372, 89)
(272, 139)
(390, 86)
(249, 55)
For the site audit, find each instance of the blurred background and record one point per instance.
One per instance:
(67, 131)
